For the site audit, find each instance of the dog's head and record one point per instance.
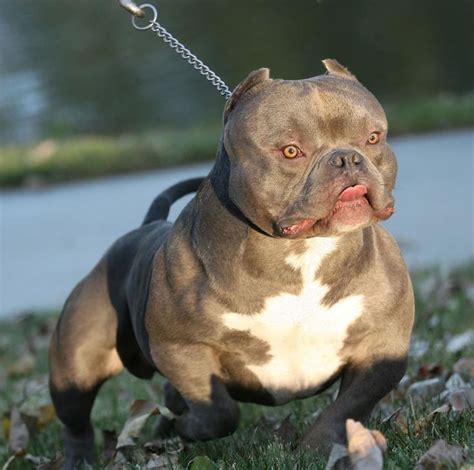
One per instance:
(308, 157)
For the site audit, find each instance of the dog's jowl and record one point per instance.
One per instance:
(275, 281)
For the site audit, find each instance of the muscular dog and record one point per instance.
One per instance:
(275, 281)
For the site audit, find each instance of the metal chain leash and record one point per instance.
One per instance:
(168, 38)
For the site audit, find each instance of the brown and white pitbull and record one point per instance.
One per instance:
(275, 281)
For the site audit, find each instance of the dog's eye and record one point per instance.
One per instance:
(374, 138)
(291, 151)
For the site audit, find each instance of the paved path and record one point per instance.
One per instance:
(51, 238)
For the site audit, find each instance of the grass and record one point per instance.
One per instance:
(80, 157)
(444, 304)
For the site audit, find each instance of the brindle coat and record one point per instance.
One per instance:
(227, 306)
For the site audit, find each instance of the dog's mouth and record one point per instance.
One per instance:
(352, 208)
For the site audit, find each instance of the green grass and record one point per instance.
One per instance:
(444, 305)
(58, 160)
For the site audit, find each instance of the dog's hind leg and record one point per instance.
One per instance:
(82, 356)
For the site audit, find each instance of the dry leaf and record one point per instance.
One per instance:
(37, 460)
(338, 456)
(392, 415)
(428, 371)
(425, 388)
(23, 366)
(37, 409)
(6, 465)
(162, 462)
(421, 424)
(202, 462)
(365, 447)
(418, 347)
(286, 431)
(18, 436)
(455, 382)
(461, 400)
(459, 342)
(140, 411)
(119, 462)
(465, 367)
(441, 455)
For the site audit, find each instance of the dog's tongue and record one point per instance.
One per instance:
(352, 193)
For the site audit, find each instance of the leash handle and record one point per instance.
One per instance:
(153, 25)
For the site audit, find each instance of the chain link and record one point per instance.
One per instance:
(184, 52)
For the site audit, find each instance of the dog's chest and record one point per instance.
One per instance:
(304, 336)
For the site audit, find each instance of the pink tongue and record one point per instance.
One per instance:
(354, 192)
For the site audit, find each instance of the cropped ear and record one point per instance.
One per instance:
(333, 67)
(254, 78)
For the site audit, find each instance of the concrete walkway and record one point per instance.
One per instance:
(51, 238)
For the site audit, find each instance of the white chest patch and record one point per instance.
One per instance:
(304, 336)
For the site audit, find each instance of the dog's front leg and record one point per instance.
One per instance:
(193, 371)
(360, 390)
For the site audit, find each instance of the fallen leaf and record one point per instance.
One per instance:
(404, 382)
(365, 447)
(461, 400)
(140, 411)
(163, 461)
(428, 371)
(174, 445)
(421, 424)
(22, 366)
(465, 367)
(425, 388)
(18, 436)
(202, 462)
(55, 464)
(5, 425)
(36, 408)
(399, 419)
(418, 347)
(338, 457)
(286, 431)
(119, 462)
(455, 382)
(459, 342)
(157, 446)
(441, 455)
(8, 462)
(37, 460)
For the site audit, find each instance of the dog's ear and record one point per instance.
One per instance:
(333, 67)
(254, 78)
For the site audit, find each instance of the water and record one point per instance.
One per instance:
(51, 238)
(77, 66)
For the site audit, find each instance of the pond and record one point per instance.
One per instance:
(77, 66)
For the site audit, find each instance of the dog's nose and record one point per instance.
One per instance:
(342, 159)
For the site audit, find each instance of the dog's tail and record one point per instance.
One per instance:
(160, 207)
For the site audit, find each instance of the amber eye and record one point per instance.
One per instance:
(291, 151)
(374, 138)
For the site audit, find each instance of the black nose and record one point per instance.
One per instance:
(342, 159)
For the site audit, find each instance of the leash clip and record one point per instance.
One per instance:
(132, 8)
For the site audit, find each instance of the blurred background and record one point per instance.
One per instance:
(84, 96)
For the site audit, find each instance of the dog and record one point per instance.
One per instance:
(275, 281)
